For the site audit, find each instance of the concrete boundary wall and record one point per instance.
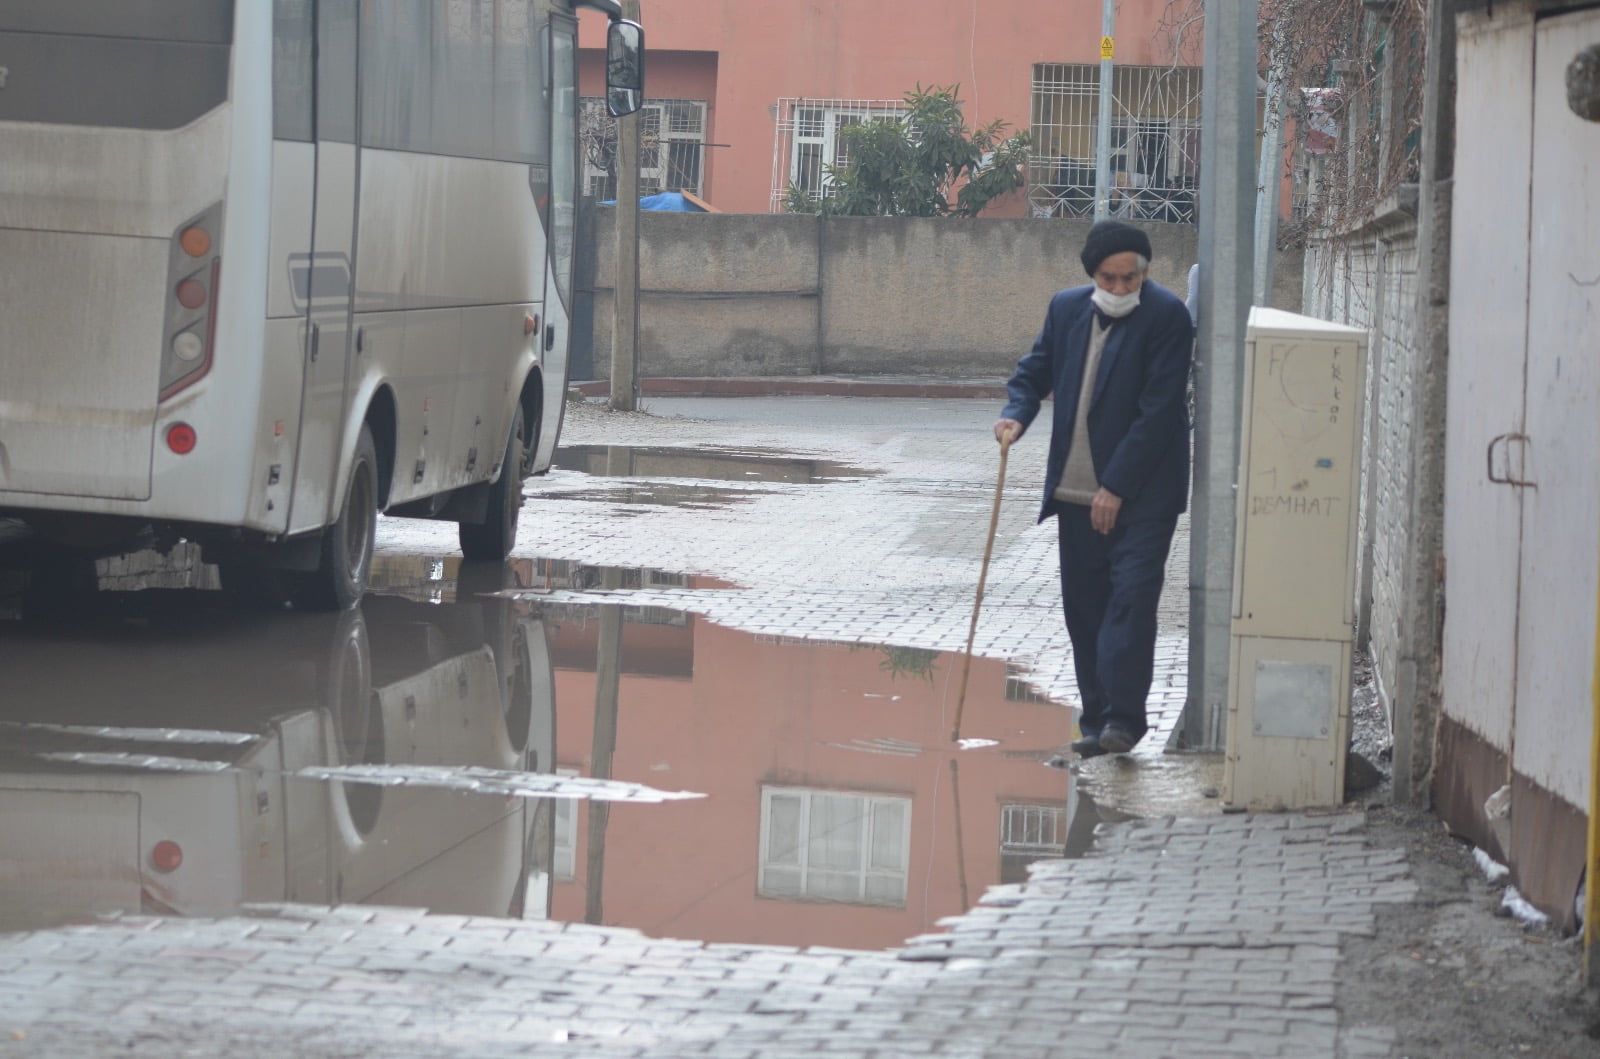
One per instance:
(776, 294)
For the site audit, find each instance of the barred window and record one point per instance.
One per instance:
(1155, 141)
(808, 141)
(672, 147)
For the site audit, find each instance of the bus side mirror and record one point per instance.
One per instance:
(624, 68)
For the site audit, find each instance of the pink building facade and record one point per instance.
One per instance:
(748, 97)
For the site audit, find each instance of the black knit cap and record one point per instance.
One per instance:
(1113, 237)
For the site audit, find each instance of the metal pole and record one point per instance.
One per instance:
(1227, 157)
(625, 297)
(1102, 149)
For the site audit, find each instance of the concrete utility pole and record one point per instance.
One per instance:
(603, 746)
(1227, 207)
(1102, 150)
(1415, 696)
(625, 296)
(1270, 174)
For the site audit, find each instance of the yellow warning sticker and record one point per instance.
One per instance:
(1107, 46)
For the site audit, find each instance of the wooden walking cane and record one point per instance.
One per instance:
(983, 575)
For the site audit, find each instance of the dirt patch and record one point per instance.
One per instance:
(1452, 972)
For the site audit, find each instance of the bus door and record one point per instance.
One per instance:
(561, 227)
(325, 278)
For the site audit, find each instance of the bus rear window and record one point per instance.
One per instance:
(139, 64)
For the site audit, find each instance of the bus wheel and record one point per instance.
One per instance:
(341, 574)
(494, 537)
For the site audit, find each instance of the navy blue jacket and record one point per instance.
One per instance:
(1138, 429)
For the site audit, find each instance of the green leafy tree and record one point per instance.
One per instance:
(923, 164)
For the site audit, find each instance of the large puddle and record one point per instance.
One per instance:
(588, 762)
(712, 464)
(695, 478)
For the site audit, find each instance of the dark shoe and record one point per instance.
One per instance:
(1116, 741)
(1088, 746)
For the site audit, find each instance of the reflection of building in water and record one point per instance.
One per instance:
(1028, 833)
(151, 764)
(838, 810)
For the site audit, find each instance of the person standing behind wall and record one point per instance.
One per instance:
(1116, 354)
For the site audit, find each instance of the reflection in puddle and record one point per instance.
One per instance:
(668, 477)
(665, 494)
(152, 750)
(471, 753)
(1087, 814)
(838, 811)
(472, 779)
(723, 465)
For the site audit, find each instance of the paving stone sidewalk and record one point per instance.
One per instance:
(1215, 937)
(1209, 936)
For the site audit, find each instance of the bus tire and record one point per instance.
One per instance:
(341, 575)
(493, 538)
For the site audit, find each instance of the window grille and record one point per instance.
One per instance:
(579, 577)
(807, 141)
(672, 147)
(1019, 690)
(1155, 141)
(1030, 833)
(1033, 829)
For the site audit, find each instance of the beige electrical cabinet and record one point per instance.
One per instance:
(1294, 562)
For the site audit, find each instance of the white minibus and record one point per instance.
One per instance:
(270, 267)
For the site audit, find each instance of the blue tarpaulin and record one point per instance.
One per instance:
(666, 200)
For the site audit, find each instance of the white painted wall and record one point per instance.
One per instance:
(1560, 518)
(1488, 321)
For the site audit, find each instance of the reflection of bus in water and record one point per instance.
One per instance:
(152, 765)
(270, 268)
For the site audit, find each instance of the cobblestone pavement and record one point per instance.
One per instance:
(1205, 935)
(890, 556)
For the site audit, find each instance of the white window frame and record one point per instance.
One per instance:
(816, 123)
(1033, 830)
(887, 877)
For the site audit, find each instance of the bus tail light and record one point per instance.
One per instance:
(195, 241)
(194, 267)
(166, 856)
(191, 293)
(181, 438)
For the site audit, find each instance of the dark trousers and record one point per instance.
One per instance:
(1110, 585)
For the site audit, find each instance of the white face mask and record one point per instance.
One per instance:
(1114, 305)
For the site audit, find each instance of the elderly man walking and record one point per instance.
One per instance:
(1115, 353)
